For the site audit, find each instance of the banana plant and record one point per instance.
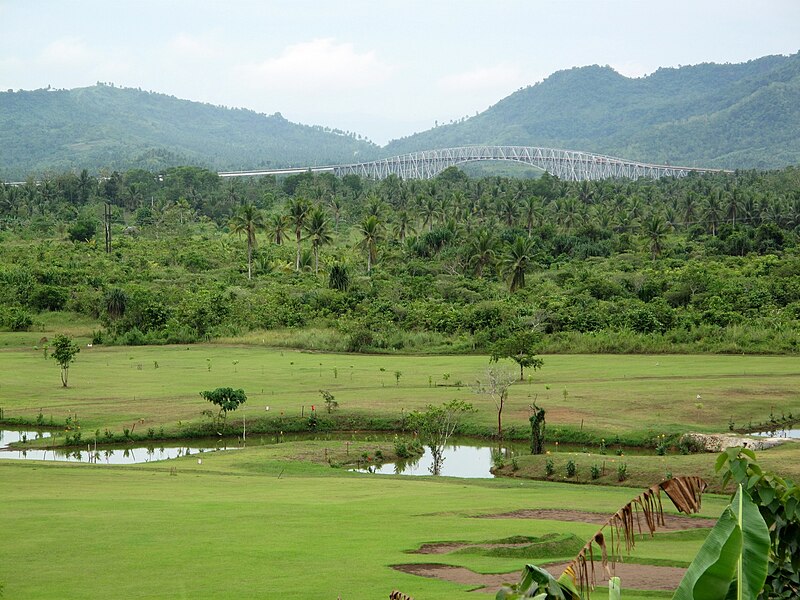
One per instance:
(538, 584)
(732, 562)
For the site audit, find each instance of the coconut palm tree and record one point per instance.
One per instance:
(516, 260)
(507, 210)
(429, 209)
(656, 229)
(482, 251)
(533, 212)
(318, 229)
(298, 212)
(277, 226)
(713, 211)
(690, 207)
(336, 207)
(403, 225)
(248, 220)
(733, 206)
(371, 231)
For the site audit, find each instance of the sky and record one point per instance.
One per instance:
(382, 69)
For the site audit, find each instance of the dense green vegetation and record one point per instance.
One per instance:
(702, 264)
(724, 115)
(122, 128)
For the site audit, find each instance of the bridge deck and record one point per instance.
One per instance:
(569, 165)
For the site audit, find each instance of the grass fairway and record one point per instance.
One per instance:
(271, 522)
(254, 524)
(602, 394)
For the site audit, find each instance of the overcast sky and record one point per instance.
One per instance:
(383, 69)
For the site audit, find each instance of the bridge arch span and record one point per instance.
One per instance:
(568, 165)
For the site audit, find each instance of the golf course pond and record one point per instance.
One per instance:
(463, 457)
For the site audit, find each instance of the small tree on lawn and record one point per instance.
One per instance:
(435, 425)
(227, 399)
(496, 384)
(64, 351)
(330, 403)
(521, 348)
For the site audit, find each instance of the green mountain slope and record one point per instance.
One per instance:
(731, 115)
(119, 128)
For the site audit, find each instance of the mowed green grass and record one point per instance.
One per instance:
(605, 394)
(256, 524)
(273, 522)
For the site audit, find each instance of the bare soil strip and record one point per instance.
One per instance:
(671, 522)
(633, 576)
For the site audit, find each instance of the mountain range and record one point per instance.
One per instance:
(744, 115)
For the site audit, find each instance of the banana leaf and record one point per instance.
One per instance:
(537, 583)
(732, 563)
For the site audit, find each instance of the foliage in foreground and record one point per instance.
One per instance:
(750, 554)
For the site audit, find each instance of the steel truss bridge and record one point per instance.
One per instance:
(568, 165)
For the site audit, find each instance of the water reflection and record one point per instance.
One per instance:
(110, 456)
(121, 455)
(11, 436)
(457, 460)
(793, 434)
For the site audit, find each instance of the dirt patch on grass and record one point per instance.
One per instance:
(671, 522)
(461, 575)
(440, 548)
(633, 576)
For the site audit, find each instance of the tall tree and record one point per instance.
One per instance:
(496, 384)
(371, 231)
(318, 229)
(403, 225)
(656, 229)
(248, 220)
(277, 226)
(516, 260)
(298, 212)
(713, 211)
(482, 251)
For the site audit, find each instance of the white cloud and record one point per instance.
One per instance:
(189, 46)
(318, 64)
(68, 51)
(502, 76)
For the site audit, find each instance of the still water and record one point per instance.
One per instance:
(793, 434)
(464, 457)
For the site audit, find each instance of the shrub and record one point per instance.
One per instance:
(595, 472)
(622, 472)
(15, 319)
(498, 460)
(549, 468)
(407, 448)
(572, 468)
(360, 340)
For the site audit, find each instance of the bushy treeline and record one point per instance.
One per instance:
(705, 263)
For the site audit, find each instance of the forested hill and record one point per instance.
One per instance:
(725, 115)
(120, 128)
